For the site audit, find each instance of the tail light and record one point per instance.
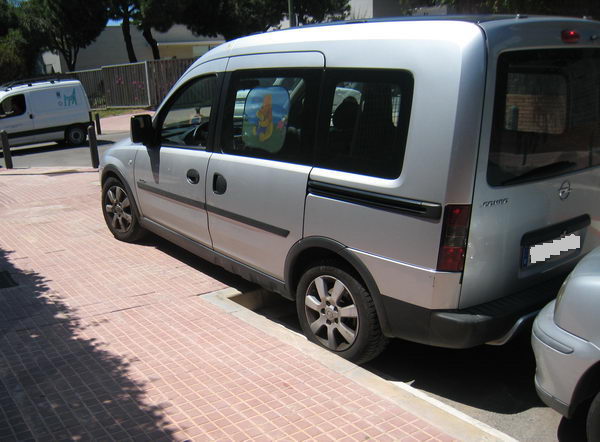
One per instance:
(455, 231)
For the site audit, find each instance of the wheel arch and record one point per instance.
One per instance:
(111, 171)
(309, 251)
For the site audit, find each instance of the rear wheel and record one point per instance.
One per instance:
(75, 136)
(119, 212)
(593, 420)
(337, 312)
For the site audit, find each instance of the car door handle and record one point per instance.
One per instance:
(219, 184)
(193, 177)
(31, 116)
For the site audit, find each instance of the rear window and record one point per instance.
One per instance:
(546, 116)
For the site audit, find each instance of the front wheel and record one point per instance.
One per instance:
(337, 312)
(593, 420)
(119, 212)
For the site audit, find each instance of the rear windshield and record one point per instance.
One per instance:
(546, 116)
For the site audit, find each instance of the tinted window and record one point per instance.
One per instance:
(367, 122)
(186, 122)
(270, 114)
(547, 115)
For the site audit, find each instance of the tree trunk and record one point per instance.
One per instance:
(125, 27)
(147, 33)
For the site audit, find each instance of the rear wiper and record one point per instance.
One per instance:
(538, 172)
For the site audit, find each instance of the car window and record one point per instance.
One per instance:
(367, 122)
(546, 116)
(269, 115)
(186, 122)
(13, 106)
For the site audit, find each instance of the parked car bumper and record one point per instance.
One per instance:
(561, 358)
(494, 322)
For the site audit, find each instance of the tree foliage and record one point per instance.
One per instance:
(67, 25)
(18, 48)
(236, 18)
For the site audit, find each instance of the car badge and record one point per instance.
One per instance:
(565, 190)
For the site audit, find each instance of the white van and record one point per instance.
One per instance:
(431, 179)
(44, 110)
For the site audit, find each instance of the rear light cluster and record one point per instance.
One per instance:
(455, 231)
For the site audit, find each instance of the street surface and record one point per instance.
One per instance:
(491, 384)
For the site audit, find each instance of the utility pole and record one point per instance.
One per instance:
(291, 14)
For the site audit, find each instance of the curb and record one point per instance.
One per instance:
(450, 420)
(47, 171)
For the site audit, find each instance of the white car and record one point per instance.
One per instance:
(566, 343)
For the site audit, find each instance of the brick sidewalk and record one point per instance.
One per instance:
(105, 340)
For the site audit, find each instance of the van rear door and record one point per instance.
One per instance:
(536, 199)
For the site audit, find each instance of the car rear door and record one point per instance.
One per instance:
(535, 206)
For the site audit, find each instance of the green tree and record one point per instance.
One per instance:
(236, 18)
(67, 25)
(18, 48)
(125, 10)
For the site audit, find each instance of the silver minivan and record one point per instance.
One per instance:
(429, 179)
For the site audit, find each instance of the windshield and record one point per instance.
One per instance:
(546, 116)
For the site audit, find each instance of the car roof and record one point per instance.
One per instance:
(23, 85)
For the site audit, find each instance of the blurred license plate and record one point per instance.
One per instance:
(550, 250)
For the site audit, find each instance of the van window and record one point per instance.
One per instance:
(13, 106)
(546, 116)
(186, 120)
(367, 122)
(270, 114)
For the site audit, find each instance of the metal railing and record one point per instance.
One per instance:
(141, 84)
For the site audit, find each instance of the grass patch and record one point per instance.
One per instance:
(114, 112)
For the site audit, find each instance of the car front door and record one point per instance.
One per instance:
(16, 120)
(171, 178)
(257, 176)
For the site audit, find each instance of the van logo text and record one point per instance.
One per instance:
(499, 202)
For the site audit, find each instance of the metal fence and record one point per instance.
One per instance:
(131, 85)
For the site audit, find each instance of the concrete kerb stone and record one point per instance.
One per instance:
(452, 421)
(47, 171)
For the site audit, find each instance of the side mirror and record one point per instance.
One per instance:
(142, 130)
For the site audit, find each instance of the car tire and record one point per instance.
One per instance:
(75, 136)
(337, 312)
(593, 420)
(120, 212)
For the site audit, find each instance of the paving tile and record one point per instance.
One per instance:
(104, 340)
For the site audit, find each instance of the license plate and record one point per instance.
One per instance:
(549, 250)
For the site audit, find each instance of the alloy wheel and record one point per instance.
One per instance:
(331, 313)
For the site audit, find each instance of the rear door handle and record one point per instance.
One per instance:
(219, 184)
(193, 177)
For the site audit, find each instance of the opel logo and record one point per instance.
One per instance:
(565, 190)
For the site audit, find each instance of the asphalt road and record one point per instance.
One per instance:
(59, 155)
(491, 384)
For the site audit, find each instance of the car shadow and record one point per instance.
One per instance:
(55, 384)
(498, 379)
(199, 264)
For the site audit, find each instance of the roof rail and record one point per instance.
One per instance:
(31, 81)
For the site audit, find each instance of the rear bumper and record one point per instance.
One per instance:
(468, 327)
